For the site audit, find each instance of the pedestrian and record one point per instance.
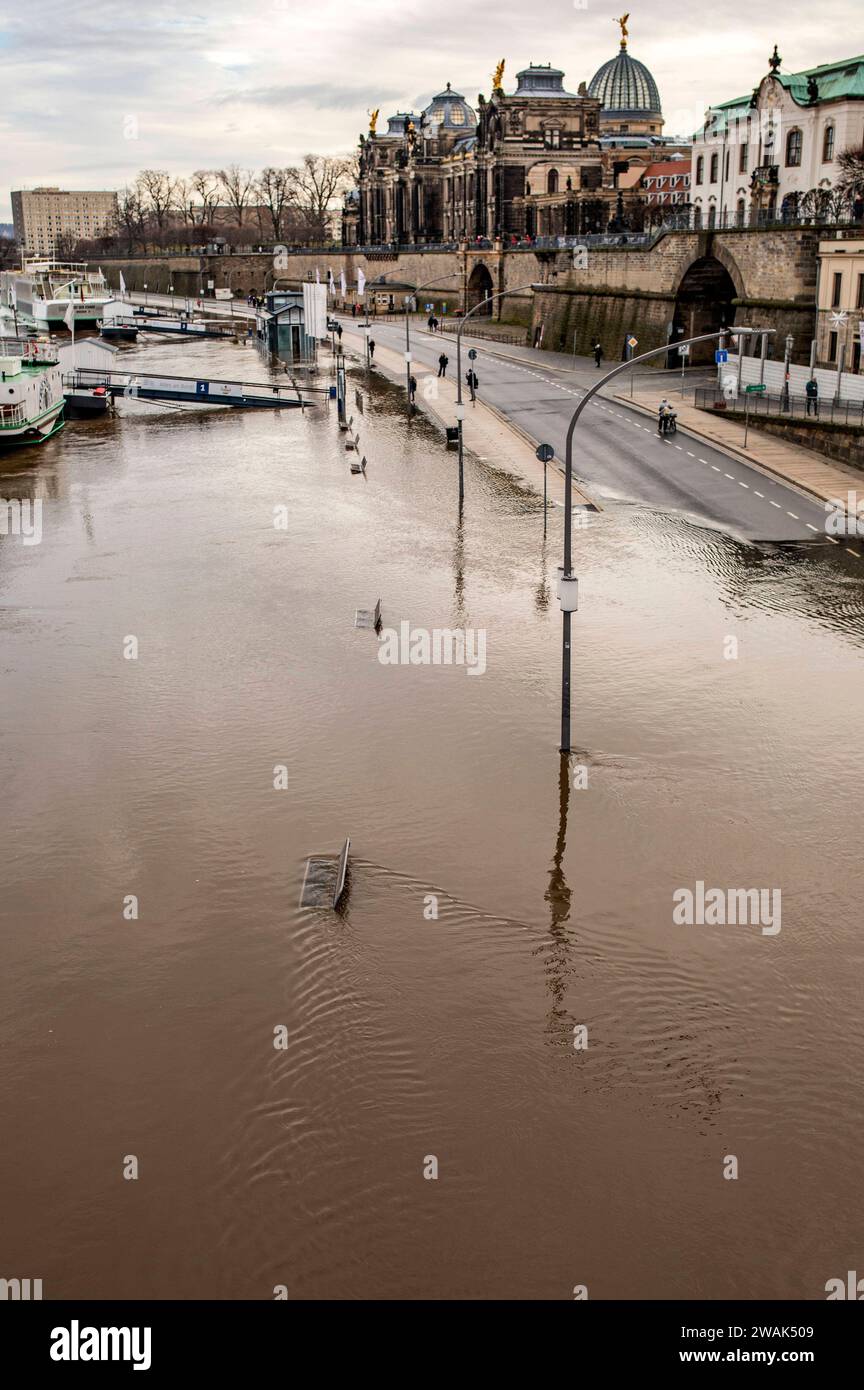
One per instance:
(812, 390)
(598, 353)
(471, 378)
(442, 364)
(412, 388)
(430, 323)
(371, 348)
(339, 331)
(354, 311)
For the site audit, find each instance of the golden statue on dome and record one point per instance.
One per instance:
(624, 30)
(373, 119)
(498, 77)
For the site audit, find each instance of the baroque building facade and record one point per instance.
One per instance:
(773, 154)
(540, 161)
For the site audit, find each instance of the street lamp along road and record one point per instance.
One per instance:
(454, 274)
(460, 409)
(568, 583)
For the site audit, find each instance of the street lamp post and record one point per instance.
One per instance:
(145, 293)
(567, 579)
(417, 288)
(460, 409)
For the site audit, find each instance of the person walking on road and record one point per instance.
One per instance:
(339, 331)
(430, 323)
(598, 353)
(471, 378)
(442, 364)
(412, 388)
(812, 390)
(371, 348)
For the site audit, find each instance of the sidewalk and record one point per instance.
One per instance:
(802, 468)
(484, 431)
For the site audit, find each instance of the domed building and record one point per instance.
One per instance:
(448, 113)
(628, 94)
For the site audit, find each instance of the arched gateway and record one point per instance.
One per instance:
(703, 304)
(480, 287)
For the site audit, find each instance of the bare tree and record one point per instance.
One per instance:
(131, 217)
(157, 192)
(850, 166)
(8, 251)
(237, 185)
(205, 183)
(274, 191)
(316, 184)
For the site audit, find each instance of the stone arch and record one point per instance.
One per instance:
(480, 286)
(703, 303)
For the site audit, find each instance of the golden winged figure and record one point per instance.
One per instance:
(624, 30)
(498, 76)
(373, 119)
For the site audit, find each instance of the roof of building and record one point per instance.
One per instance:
(626, 88)
(541, 80)
(667, 168)
(449, 110)
(841, 81)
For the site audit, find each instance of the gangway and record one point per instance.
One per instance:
(189, 328)
(147, 386)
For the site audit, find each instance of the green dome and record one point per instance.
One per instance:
(626, 89)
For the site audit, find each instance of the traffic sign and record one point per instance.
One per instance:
(754, 390)
(632, 342)
(684, 350)
(545, 453)
(721, 356)
(472, 353)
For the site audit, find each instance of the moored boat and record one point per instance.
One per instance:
(31, 392)
(39, 295)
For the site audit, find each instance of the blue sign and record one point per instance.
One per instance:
(721, 356)
(202, 388)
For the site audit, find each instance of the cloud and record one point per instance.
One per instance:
(265, 81)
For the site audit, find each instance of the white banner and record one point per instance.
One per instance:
(361, 283)
(315, 310)
(317, 276)
(122, 286)
(345, 287)
(331, 287)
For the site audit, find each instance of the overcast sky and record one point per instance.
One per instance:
(91, 93)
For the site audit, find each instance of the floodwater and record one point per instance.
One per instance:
(412, 1037)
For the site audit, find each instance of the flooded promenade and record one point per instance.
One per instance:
(495, 904)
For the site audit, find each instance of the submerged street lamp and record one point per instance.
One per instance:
(567, 583)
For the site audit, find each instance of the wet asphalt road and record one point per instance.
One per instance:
(618, 453)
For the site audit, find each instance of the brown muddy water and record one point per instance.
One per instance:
(408, 1036)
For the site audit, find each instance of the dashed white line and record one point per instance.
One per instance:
(689, 455)
(727, 475)
(716, 469)
(740, 484)
(811, 528)
(793, 516)
(776, 504)
(760, 494)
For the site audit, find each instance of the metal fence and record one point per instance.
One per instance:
(782, 407)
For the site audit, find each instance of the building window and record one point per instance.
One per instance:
(837, 289)
(715, 168)
(700, 168)
(859, 303)
(552, 181)
(741, 213)
(712, 216)
(552, 139)
(743, 158)
(832, 347)
(728, 156)
(828, 145)
(794, 146)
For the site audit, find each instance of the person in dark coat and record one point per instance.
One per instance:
(598, 353)
(473, 383)
(442, 364)
(412, 388)
(371, 348)
(812, 392)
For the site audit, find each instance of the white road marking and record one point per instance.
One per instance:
(760, 494)
(793, 516)
(728, 475)
(811, 528)
(776, 504)
(740, 484)
(689, 455)
(716, 469)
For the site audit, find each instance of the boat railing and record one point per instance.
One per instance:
(29, 350)
(13, 415)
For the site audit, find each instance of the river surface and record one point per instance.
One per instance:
(412, 1037)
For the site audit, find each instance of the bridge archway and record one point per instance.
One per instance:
(480, 287)
(703, 304)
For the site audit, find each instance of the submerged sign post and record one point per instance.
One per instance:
(545, 453)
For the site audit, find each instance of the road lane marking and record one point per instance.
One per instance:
(811, 528)
(727, 475)
(793, 516)
(716, 469)
(689, 455)
(776, 504)
(740, 484)
(760, 494)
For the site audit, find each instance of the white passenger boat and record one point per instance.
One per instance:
(31, 392)
(38, 296)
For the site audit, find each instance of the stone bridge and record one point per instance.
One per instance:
(683, 284)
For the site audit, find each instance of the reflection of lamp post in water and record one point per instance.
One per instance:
(567, 582)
